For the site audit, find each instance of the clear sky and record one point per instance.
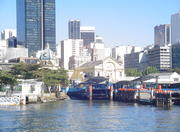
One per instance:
(119, 22)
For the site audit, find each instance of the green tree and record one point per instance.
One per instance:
(133, 72)
(7, 79)
(24, 71)
(52, 78)
(150, 70)
(176, 70)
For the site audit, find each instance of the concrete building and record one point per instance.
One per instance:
(74, 29)
(36, 24)
(12, 53)
(87, 35)
(70, 47)
(176, 55)
(77, 61)
(175, 28)
(136, 60)
(160, 57)
(8, 33)
(164, 78)
(162, 35)
(119, 52)
(107, 67)
(99, 51)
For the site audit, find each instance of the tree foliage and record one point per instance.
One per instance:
(150, 70)
(52, 77)
(36, 71)
(24, 71)
(133, 72)
(176, 70)
(7, 79)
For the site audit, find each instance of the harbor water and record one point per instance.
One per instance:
(89, 116)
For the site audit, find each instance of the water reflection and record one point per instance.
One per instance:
(88, 116)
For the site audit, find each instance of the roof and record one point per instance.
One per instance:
(155, 75)
(92, 63)
(95, 63)
(97, 80)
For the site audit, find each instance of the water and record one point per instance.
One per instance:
(85, 116)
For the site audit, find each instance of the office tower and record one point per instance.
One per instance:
(8, 33)
(160, 57)
(176, 55)
(87, 35)
(175, 28)
(74, 29)
(36, 24)
(70, 47)
(162, 35)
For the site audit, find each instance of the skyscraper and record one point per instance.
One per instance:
(162, 35)
(175, 28)
(74, 29)
(36, 24)
(87, 35)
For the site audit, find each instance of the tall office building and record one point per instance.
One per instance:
(87, 35)
(162, 35)
(175, 28)
(36, 24)
(74, 29)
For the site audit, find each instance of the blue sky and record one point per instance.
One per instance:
(119, 22)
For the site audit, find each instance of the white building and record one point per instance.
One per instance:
(120, 51)
(31, 87)
(70, 47)
(11, 53)
(163, 78)
(107, 67)
(8, 33)
(98, 49)
(160, 57)
(175, 28)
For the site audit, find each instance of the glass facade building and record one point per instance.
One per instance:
(176, 55)
(36, 24)
(74, 29)
(87, 35)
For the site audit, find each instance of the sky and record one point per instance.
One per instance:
(119, 22)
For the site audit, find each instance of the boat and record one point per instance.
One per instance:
(97, 88)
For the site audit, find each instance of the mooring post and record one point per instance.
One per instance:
(90, 92)
(111, 92)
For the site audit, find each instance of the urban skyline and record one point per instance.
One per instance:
(122, 30)
(36, 24)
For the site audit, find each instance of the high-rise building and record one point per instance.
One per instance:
(87, 35)
(162, 35)
(160, 57)
(176, 55)
(175, 28)
(36, 24)
(70, 47)
(8, 33)
(74, 29)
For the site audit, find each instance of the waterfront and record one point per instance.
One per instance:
(86, 116)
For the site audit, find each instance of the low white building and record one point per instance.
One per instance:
(163, 78)
(107, 67)
(31, 87)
